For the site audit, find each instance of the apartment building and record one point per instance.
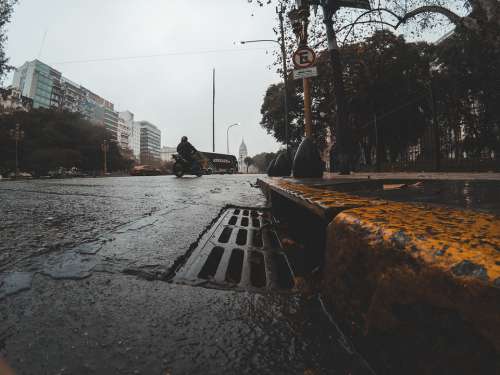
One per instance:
(49, 89)
(150, 143)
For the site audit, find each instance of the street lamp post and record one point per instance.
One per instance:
(435, 123)
(227, 135)
(17, 135)
(105, 149)
(282, 45)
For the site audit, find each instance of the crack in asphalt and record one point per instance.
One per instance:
(81, 260)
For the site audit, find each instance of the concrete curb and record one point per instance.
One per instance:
(384, 257)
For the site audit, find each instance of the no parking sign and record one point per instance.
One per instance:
(304, 57)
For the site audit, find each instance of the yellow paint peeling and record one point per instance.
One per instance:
(441, 236)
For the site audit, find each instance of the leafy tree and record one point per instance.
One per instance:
(248, 162)
(261, 161)
(387, 85)
(385, 77)
(467, 84)
(55, 139)
(273, 110)
(477, 26)
(478, 16)
(6, 8)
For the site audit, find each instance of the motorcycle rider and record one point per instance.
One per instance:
(186, 150)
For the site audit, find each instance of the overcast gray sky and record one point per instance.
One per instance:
(172, 92)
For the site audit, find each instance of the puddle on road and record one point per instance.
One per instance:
(14, 282)
(89, 248)
(474, 195)
(70, 265)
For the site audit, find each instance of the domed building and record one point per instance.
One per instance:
(242, 155)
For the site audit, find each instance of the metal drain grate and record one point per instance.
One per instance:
(240, 251)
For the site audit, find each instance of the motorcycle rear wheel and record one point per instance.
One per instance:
(178, 171)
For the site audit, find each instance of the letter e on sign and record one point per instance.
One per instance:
(304, 58)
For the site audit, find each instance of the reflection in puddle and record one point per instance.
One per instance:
(476, 195)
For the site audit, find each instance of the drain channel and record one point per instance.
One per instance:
(240, 251)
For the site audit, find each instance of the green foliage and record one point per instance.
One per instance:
(248, 162)
(389, 84)
(468, 90)
(384, 76)
(388, 79)
(55, 139)
(261, 161)
(273, 109)
(6, 8)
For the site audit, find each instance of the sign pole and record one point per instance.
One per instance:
(307, 107)
(307, 162)
(213, 111)
(304, 59)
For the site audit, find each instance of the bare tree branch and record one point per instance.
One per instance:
(358, 22)
(453, 17)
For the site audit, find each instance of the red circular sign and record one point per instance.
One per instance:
(304, 57)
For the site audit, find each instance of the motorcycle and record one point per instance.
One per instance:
(182, 167)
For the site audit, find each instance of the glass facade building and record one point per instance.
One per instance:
(39, 82)
(49, 89)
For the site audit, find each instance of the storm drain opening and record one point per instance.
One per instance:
(225, 235)
(241, 251)
(241, 238)
(257, 238)
(235, 267)
(257, 269)
(210, 267)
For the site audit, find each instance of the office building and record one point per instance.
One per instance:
(39, 82)
(150, 143)
(49, 89)
(132, 132)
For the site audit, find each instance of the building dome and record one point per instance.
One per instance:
(243, 148)
(243, 154)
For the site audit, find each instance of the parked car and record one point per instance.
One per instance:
(62, 172)
(24, 175)
(145, 170)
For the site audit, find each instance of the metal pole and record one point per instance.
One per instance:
(213, 113)
(307, 107)
(435, 123)
(285, 73)
(17, 158)
(377, 151)
(105, 158)
(285, 70)
(306, 83)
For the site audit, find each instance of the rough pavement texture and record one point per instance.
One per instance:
(82, 290)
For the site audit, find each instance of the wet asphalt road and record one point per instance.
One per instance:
(82, 290)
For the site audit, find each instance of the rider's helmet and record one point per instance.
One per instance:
(184, 139)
